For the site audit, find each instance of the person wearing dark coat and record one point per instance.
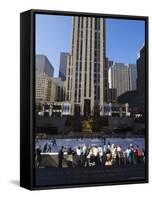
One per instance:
(70, 154)
(38, 157)
(60, 156)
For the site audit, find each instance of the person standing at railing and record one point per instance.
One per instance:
(70, 154)
(38, 156)
(61, 156)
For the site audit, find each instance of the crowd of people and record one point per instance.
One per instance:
(94, 155)
(108, 155)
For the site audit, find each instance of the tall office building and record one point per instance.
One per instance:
(63, 65)
(60, 88)
(110, 93)
(42, 89)
(44, 65)
(48, 89)
(133, 76)
(119, 78)
(141, 71)
(86, 65)
(44, 70)
(141, 67)
(136, 98)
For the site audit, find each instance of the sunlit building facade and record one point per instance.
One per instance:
(85, 86)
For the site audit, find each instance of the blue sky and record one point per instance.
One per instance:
(123, 38)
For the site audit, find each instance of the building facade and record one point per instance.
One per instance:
(44, 65)
(112, 95)
(141, 65)
(122, 77)
(49, 89)
(85, 86)
(60, 88)
(42, 89)
(133, 76)
(141, 71)
(63, 65)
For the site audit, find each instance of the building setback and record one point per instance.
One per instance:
(63, 65)
(86, 65)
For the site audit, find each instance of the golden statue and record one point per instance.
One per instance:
(87, 125)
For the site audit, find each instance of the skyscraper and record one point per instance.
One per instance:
(42, 88)
(141, 68)
(136, 98)
(63, 65)
(133, 76)
(122, 77)
(119, 78)
(44, 65)
(86, 65)
(141, 71)
(44, 70)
